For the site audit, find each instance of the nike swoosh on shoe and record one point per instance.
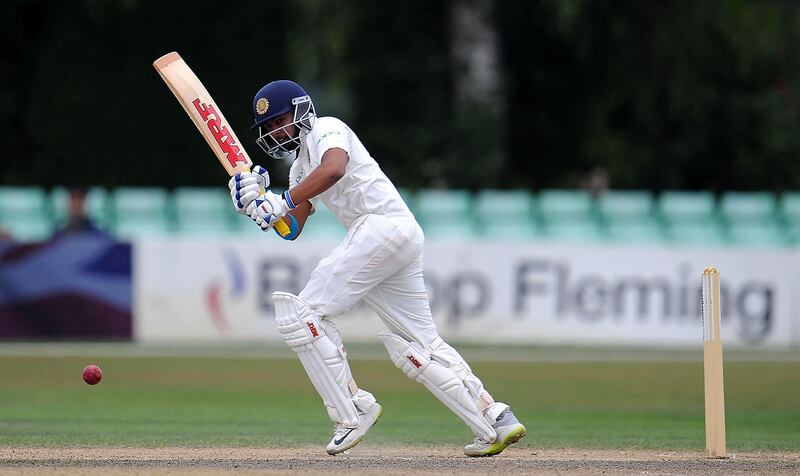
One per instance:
(339, 441)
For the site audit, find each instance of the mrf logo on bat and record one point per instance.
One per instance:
(220, 132)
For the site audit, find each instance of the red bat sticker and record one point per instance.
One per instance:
(220, 132)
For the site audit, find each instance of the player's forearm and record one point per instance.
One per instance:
(301, 213)
(330, 171)
(321, 179)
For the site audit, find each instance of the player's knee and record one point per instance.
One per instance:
(409, 357)
(309, 299)
(447, 355)
(296, 322)
(331, 331)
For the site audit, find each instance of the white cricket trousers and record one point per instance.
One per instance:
(380, 261)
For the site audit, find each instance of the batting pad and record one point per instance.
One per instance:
(446, 355)
(442, 382)
(324, 364)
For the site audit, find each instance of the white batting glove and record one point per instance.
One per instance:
(245, 187)
(268, 209)
(265, 225)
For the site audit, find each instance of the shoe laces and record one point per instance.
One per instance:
(339, 430)
(478, 441)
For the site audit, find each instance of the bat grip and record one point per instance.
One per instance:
(282, 227)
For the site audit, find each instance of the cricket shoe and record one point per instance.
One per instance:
(345, 438)
(509, 430)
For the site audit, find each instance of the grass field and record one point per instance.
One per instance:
(263, 401)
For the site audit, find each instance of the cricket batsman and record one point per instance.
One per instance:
(379, 260)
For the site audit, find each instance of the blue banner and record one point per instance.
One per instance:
(73, 286)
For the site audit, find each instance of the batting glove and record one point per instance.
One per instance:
(269, 208)
(265, 225)
(245, 187)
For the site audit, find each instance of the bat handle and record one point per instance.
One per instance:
(280, 226)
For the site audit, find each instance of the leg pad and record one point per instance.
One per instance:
(440, 380)
(324, 363)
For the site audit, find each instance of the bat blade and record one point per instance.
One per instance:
(207, 116)
(204, 112)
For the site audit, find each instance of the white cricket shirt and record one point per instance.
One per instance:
(363, 190)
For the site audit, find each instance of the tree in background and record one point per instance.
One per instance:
(23, 30)
(94, 97)
(398, 72)
(477, 155)
(464, 93)
(663, 95)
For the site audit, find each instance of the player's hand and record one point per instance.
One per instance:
(265, 225)
(245, 187)
(268, 209)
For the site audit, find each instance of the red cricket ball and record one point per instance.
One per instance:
(92, 374)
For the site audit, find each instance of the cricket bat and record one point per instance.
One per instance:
(207, 116)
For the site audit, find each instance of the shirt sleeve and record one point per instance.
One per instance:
(295, 174)
(332, 134)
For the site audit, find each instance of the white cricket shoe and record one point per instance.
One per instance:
(509, 431)
(345, 438)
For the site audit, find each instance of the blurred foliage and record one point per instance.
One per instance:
(689, 95)
(682, 94)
